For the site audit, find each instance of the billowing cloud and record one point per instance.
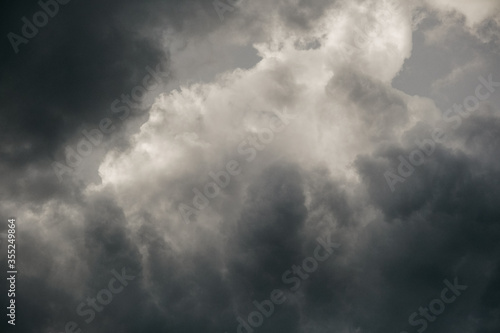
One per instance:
(251, 194)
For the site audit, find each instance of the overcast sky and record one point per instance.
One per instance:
(191, 159)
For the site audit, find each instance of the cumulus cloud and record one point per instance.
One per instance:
(272, 134)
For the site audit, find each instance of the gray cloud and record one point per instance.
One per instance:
(322, 174)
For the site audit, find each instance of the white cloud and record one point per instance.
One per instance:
(197, 128)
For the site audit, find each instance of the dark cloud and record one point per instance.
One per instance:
(321, 176)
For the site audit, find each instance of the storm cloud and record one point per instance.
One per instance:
(246, 189)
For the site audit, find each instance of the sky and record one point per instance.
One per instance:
(250, 166)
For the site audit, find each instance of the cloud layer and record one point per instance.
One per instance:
(310, 104)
